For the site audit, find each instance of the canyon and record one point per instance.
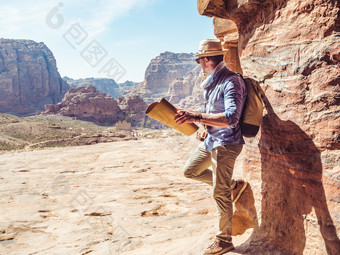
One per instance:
(30, 82)
(292, 165)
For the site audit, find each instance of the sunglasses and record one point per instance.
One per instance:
(198, 60)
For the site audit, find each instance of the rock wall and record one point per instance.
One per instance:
(134, 107)
(183, 86)
(86, 103)
(29, 77)
(167, 67)
(160, 73)
(292, 48)
(185, 92)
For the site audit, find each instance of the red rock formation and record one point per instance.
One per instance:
(227, 32)
(87, 103)
(29, 77)
(160, 73)
(167, 67)
(292, 48)
(134, 107)
(185, 92)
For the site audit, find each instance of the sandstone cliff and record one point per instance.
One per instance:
(86, 103)
(292, 48)
(134, 107)
(185, 92)
(167, 67)
(29, 77)
(161, 71)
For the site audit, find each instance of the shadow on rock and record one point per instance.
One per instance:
(291, 173)
(245, 216)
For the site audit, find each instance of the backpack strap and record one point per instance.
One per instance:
(256, 85)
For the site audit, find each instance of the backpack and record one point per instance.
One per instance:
(253, 108)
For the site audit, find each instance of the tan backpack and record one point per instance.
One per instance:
(253, 109)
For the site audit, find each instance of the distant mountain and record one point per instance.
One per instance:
(160, 73)
(126, 85)
(185, 92)
(29, 77)
(108, 86)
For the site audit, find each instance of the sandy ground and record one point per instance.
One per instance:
(127, 197)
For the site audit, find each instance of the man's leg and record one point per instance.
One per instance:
(197, 165)
(223, 161)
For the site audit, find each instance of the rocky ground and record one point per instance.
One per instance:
(41, 131)
(123, 197)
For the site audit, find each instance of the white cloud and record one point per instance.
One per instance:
(95, 16)
(18, 16)
(22, 19)
(104, 12)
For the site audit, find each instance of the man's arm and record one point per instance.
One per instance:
(233, 100)
(194, 111)
(211, 119)
(214, 119)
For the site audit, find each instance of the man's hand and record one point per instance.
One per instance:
(187, 116)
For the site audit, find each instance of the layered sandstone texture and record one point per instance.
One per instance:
(86, 103)
(134, 107)
(292, 48)
(185, 92)
(160, 73)
(29, 77)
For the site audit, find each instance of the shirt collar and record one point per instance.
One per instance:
(219, 68)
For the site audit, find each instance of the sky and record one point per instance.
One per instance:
(106, 38)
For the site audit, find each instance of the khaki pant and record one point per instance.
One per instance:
(222, 159)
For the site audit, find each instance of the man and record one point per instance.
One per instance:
(225, 93)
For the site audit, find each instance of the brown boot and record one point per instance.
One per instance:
(236, 193)
(219, 247)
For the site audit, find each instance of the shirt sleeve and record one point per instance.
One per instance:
(234, 96)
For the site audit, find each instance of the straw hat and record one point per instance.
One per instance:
(210, 47)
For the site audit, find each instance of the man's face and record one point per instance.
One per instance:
(203, 64)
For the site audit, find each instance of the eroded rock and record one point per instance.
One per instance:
(87, 103)
(29, 77)
(160, 73)
(134, 107)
